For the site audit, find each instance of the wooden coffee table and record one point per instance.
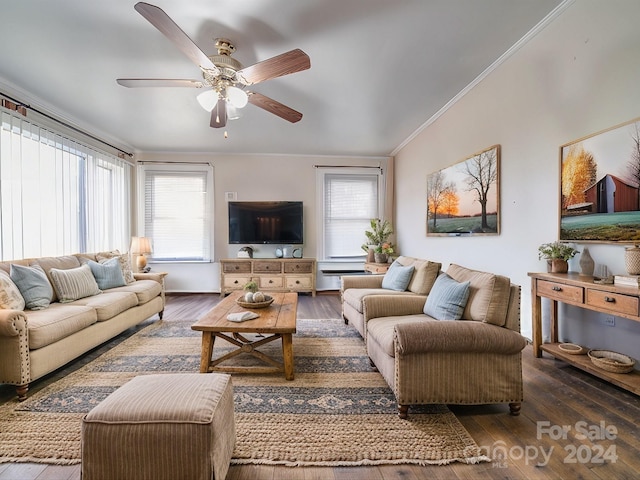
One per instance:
(278, 320)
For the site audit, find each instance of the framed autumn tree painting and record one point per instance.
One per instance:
(600, 186)
(464, 199)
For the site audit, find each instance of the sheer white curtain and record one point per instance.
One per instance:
(58, 196)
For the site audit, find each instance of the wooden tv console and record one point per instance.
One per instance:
(271, 274)
(579, 290)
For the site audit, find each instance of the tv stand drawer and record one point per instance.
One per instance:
(236, 282)
(298, 267)
(270, 282)
(267, 266)
(276, 275)
(236, 267)
(298, 282)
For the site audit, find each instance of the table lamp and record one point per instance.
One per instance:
(140, 246)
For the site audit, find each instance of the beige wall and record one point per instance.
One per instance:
(251, 177)
(579, 75)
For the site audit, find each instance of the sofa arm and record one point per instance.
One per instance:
(12, 323)
(375, 306)
(14, 350)
(360, 281)
(456, 336)
(158, 277)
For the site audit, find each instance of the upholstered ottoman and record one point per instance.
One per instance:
(173, 426)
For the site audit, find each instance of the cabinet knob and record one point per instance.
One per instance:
(236, 282)
(557, 289)
(270, 281)
(298, 282)
(609, 299)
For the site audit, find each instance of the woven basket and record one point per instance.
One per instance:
(573, 349)
(611, 361)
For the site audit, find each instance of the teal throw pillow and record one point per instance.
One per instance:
(447, 298)
(108, 274)
(397, 277)
(33, 285)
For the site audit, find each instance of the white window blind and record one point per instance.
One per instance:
(57, 195)
(350, 201)
(177, 211)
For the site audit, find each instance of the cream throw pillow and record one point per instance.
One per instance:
(74, 283)
(488, 297)
(10, 296)
(424, 274)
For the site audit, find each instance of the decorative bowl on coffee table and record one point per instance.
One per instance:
(268, 301)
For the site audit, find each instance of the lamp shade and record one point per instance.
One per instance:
(237, 97)
(208, 99)
(140, 245)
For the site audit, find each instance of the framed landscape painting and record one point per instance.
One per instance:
(464, 199)
(600, 186)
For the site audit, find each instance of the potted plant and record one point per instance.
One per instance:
(251, 286)
(382, 252)
(378, 236)
(557, 255)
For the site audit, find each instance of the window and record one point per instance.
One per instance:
(58, 196)
(351, 197)
(176, 213)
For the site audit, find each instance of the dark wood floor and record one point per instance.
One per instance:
(556, 395)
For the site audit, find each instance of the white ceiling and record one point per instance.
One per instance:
(379, 70)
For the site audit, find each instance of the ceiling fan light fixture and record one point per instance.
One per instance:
(237, 97)
(208, 99)
(233, 113)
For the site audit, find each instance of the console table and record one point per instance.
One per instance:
(580, 291)
(271, 274)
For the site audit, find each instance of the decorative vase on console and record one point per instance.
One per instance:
(586, 262)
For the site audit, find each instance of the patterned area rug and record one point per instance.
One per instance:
(337, 412)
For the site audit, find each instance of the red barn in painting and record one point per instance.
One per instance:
(611, 194)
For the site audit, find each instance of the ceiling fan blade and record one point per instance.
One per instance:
(219, 114)
(283, 64)
(272, 106)
(159, 19)
(158, 82)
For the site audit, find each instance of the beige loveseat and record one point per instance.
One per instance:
(34, 343)
(476, 359)
(354, 289)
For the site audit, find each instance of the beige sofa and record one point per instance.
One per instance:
(474, 360)
(34, 343)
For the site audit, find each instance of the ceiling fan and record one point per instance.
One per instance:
(224, 75)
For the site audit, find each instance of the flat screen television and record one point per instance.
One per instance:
(265, 222)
